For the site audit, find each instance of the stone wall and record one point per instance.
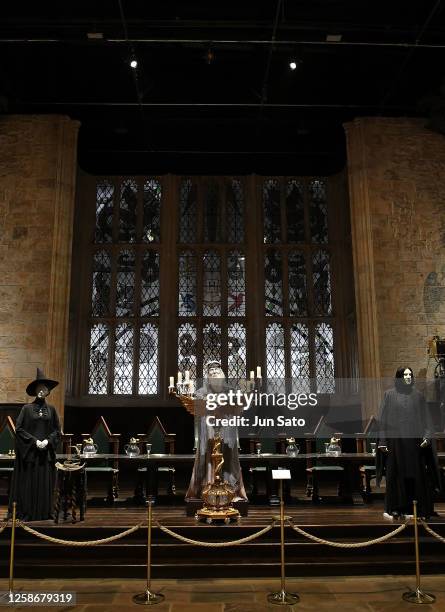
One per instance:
(37, 182)
(397, 191)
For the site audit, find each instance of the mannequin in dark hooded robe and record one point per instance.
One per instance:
(406, 453)
(37, 438)
(202, 468)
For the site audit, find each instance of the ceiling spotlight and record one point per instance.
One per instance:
(133, 63)
(293, 65)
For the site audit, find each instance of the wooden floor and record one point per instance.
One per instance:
(303, 513)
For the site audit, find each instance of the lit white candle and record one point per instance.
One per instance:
(187, 376)
(179, 378)
(252, 375)
(258, 372)
(172, 381)
(191, 387)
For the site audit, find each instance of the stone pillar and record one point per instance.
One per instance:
(37, 188)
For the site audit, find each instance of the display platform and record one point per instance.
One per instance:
(174, 559)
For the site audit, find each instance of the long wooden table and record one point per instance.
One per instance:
(351, 463)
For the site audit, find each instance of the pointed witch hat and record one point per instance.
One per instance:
(41, 379)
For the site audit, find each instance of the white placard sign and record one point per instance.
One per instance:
(280, 474)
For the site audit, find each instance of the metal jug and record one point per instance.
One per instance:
(132, 449)
(89, 448)
(292, 449)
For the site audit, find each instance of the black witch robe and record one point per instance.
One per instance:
(412, 472)
(34, 468)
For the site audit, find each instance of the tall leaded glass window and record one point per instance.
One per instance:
(298, 310)
(125, 288)
(247, 268)
(211, 275)
(98, 362)
(104, 211)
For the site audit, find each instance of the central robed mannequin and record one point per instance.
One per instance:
(202, 468)
(406, 453)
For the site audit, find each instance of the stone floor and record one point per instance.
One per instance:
(341, 594)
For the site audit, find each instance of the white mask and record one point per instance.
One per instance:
(407, 376)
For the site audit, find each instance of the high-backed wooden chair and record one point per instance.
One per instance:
(66, 441)
(315, 443)
(439, 436)
(107, 443)
(162, 443)
(363, 445)
(7, 444)
(439, 441)
(260, 473)
(364, 438)
(311, 440)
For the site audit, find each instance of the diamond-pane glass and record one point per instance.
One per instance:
(273, 285)
(188, 212)
(275, 359)
(187, 354)
(299, 358)
(295, 211)
(272, 211)
(212, 213)
(236, 338)
(123, 359)
(151, 211)
(211, 343)
(100, 299)
(236, 284)
(148, 359)
(318, 211)
(324, 358)
(187, 284)
(150, 284)
(235, 211)
(211, 299)
(125, 284)
(321, 278)
(98, 366)
(104, 212)
(128, 210)
(297, 284)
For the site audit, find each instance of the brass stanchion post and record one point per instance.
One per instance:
(148, 598)
(11, 553)
(281, 597)
(418, 596)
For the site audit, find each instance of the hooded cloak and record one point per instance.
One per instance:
(411, 471)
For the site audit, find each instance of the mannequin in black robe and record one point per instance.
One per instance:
(406, 454)
(37, 438)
